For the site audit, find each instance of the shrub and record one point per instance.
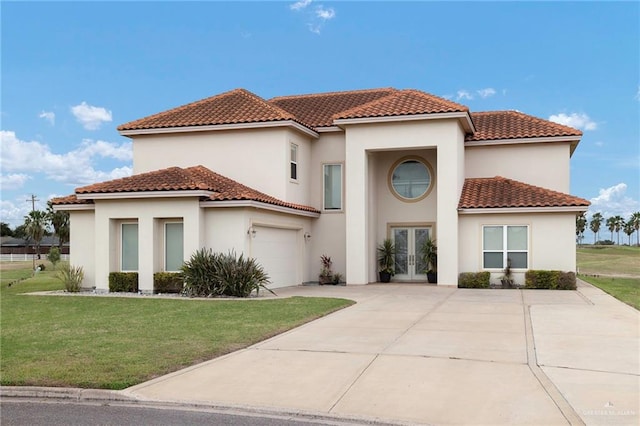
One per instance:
(199, 272)
(168, 282)
(123, 282)
(71, 276)
(553, 280)
(41, 267)
(54, 256)
(474, 279)
(605, 243)
(240, 276)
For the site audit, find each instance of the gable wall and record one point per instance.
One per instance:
(543, 164)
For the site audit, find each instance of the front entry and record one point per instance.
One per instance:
(409, 264)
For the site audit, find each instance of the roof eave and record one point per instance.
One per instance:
(214, 127)
(143, 194)
(463, 116)
(547, 139)
(73, 207)
(507, 210)
(258, 205)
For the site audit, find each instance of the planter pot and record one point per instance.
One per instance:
(385, 277)
(432, 277)
(325, 280)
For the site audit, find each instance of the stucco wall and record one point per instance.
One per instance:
(258, 158)
(82, 244)
(551, 241)
(544, 164)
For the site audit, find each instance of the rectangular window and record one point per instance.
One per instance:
(129, 249)
(333, 186)
(294, 161)
(173, 246)
(505, 242)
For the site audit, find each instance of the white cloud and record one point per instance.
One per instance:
(464, 94)
(614, 201)
(485, 93)
(50, 116)
(325, 14)
(89, 116)
(14, 213)
(638, 94)
(299, 5)
(13, 181)
(74, 168)
(577, 120)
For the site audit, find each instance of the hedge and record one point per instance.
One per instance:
(552, 280)
(123, 282)
(168, 282)
(474, 279)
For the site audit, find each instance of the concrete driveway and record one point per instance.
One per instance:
(425, 355)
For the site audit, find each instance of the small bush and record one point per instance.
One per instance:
(71, 276)
(123, 282)
(474, 279)
(552, 280)
(54, 256)
(240, 276)
(199, 272)
(605, 243)
(41, 267)
(168, 282)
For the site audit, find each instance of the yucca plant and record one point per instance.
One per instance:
(199, 272)
(71, 276)
(240, 276)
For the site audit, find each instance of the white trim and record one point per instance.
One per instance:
(523, 140)
(324, 208)
(327, 129)
(145, 194)
(257, 205)
(213, 127)
(505, 249)
(508, 210)
(73, 207)
(467, 123)
(293, 149)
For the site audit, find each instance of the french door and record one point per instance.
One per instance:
(409, 263)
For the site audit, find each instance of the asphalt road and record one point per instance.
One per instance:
(37, 413)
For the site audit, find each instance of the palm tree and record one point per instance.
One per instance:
(611, 226)
(36, 225)
(596, 221)
(60, 223)
(581, 224)
(619, 225)
(629, 230)
(634, 220)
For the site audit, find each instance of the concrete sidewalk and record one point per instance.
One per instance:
(426, 355)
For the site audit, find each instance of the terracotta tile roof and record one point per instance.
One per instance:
(500, 192)
(492, 125)
(69, 199)
(403, 102)
(233, 107)
(187, 179)
(317, 110)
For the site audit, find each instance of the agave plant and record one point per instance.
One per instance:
(71, 276)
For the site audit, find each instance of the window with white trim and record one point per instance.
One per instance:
(129, 247)
(294, 161)
(173, 246)
(502, 243)
(332, 186)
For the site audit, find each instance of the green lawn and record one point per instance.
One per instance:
(624, 289)
(113, 343)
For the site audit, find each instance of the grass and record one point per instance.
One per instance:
(614, 269)
(114, 343)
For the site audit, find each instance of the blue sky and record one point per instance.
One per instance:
(72, 72)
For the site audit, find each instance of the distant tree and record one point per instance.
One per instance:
(35, 227)
(5, 230)
(635, 222)
(619, 225)
(581, 225)
(611, 225)
(60, 223)
(596, 221)
(629, 230)
(20, 231)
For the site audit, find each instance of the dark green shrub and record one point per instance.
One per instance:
(71, 276)
(474, 279)
(605, 243)
(199, 272)
(553, 280)
(240, 276)
(168, 282)
(123, 282)
(54, 256)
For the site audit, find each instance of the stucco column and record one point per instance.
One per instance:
(447, 211)
(104, 251)
(146, 242)
(356, 214)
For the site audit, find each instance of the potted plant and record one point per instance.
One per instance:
(429, 252)
(507, 278)
(337, 278)
(386, 260)
(326, 274)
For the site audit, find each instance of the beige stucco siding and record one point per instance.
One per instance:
(551, 241)
(542, 164)
(82, 243)
(258, 158)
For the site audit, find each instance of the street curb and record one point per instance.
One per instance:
(75, 394)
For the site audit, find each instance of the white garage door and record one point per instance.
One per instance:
(276, 250)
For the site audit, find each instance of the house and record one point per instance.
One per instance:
(24, 248)
(289, 179)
